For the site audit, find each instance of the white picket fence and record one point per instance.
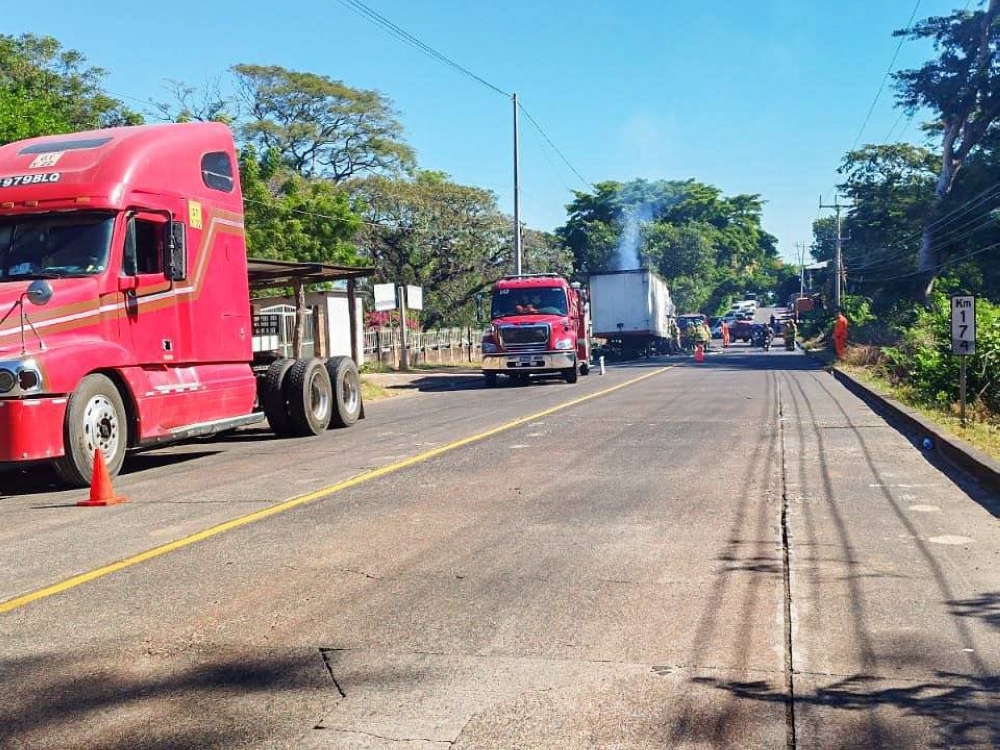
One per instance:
(444, 346)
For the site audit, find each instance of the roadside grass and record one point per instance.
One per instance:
(378, 367)
(980, 431)
(374, 392)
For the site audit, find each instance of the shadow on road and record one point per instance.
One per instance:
(198, 701)
(960, 708)
(985, 607)
(41, 479)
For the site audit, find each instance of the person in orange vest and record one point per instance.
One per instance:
(725, 334)
(840, 334)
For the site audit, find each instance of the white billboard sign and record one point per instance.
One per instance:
(415, 297)
(385, 297)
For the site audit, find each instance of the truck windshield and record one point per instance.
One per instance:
(529, 301)
(49, 246)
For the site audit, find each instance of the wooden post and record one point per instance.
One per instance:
(321, 347)
(300, 317)
(961, 386)
(352, 317)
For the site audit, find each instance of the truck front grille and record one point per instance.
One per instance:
(533, 338)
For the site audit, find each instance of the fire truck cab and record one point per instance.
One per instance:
(539, 325)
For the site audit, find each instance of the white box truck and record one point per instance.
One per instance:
(633, 312)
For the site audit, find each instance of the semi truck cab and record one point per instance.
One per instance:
(124, 297)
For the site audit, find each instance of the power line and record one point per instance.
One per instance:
(885, 78)
(555, 148)
(552, 164)
(363, 10)
(940, 223)
(937, 267)
(902, 114)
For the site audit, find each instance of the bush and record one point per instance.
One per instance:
(923, 360)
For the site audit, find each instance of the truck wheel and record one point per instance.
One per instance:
(310, 397)
(273, 398)
(346, 391)
(95, 420)
(570, 374)
(585, 368)
(490, 379)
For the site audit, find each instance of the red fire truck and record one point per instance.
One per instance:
(125, 315)
(539, 324)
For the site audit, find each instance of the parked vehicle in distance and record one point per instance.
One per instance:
(715, 326)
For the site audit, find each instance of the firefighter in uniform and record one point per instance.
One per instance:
(790, 330)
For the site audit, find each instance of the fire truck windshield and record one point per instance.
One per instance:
(46, 246)
(529, 301)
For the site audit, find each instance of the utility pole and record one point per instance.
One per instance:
(517, 196)
(802, 268)
(838, 258)
(404, 354)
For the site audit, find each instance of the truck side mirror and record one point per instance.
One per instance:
(175, 266)
(480, 317)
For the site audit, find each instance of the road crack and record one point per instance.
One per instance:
(385, 737)
(325, 655)
(787, 580)
(361, 573)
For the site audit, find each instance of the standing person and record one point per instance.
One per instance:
(725, 335)
(790, 330)
(840, 334)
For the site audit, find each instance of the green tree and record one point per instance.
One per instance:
(321, 127)
(709, 247)
(46, 89)
(291, 218)
(892, 188)
(542, 252)
(449, 238)
(962, 86)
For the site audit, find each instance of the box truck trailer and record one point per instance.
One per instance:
(634, 312)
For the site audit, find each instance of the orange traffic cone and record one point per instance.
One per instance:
(101, 491)
(699, 353)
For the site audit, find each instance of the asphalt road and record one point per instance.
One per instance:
(732, 554)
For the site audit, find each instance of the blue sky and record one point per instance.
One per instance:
(760, 97)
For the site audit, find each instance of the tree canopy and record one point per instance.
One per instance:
(46, 89)
(962, 87)
(450, 238)
(710, 246)
(320, 127)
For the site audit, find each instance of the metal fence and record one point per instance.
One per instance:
(286, 330)
(444, 346)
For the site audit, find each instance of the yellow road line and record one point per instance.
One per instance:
(260, 515)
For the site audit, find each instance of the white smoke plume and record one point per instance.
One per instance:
(627, 255)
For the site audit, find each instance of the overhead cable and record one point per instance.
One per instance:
(885, 78)
(365, 11)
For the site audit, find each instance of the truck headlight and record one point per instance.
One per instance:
(565, 344)
(7, 381)
(489, 347)
(29, 380)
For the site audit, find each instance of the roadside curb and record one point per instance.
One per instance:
(974, 462)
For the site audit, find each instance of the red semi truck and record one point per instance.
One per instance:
(125, 316)
(539, 324)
